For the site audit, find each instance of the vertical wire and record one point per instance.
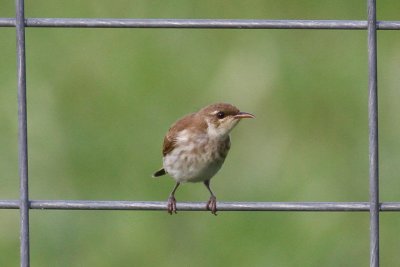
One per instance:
(373, 135)
(22, 135)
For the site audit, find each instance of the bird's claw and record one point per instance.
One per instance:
(171, 207)
(212, 205)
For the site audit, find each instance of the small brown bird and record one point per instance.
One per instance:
(195, 147)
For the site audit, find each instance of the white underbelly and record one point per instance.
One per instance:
(184, 166)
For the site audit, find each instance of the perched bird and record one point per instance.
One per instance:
(195, 147)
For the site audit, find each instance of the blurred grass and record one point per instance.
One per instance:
(100, 101)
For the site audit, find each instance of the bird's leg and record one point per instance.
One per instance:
(171, 208)
(212, 202)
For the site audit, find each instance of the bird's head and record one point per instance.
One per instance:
(221, 118)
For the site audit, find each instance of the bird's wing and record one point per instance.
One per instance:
(169, 144)
(170, 137)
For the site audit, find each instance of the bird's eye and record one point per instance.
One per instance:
(220, 115)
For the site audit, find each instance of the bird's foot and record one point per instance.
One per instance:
(171, 207)
(212, 205)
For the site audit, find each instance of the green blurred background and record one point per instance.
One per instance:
(101, 100)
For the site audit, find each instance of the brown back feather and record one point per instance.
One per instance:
(191, 121)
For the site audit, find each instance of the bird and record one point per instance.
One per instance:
(195, 147)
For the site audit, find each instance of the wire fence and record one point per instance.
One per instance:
(374, 207)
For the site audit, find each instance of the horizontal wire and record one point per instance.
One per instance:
(200, 23)
(198, 206)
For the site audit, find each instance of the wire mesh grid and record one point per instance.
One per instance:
(374, 207)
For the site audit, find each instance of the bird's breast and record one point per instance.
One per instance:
(196, 157)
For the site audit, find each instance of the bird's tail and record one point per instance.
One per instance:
(160, 172)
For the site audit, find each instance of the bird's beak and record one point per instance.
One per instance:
(243, 115)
